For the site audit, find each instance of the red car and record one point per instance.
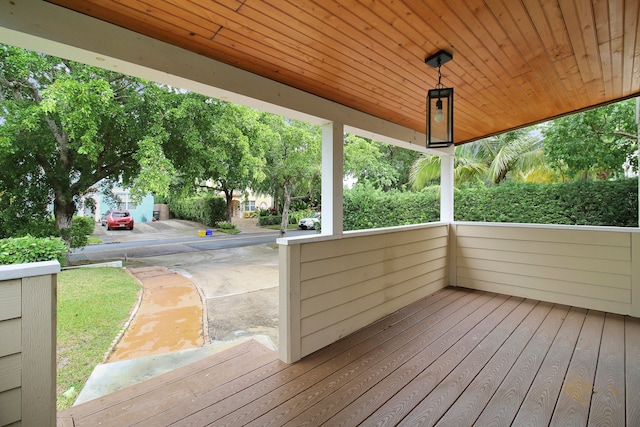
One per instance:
(118, 219)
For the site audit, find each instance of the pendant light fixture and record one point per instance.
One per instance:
(439, 106)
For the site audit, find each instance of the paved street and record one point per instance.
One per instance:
(172, 237)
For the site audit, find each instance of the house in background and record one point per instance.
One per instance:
(244, 207)
(121, 199)
(141, 212)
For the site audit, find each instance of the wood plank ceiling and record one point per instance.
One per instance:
(515, 62)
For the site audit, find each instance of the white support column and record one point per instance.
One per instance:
(638, 150)
(332, 173)
(446, 187)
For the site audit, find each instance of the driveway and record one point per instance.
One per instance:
(239, 286)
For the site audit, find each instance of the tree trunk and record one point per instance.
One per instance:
(285, 210)
(63, 211)
(228, 196)
(276, 201)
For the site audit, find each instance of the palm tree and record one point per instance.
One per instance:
(490, 160)
(469, 166)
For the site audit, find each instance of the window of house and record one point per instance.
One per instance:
(249, 205)
(124, 202)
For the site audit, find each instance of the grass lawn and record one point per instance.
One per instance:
(93, 305)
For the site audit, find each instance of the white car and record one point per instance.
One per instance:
(310, 222)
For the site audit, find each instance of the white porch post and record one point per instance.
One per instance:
(638, 149)
(332, 172)
(446, 187)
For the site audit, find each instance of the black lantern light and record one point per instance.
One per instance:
(439, 106)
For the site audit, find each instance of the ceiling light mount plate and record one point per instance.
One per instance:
(438, 59)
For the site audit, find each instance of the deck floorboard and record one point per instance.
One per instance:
(458, 357)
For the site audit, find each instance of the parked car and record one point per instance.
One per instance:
(103, 218)
(119, 219)
(309, 223)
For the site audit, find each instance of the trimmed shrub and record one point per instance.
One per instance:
(228, 228)
(81, 228)
(207, 210)
(366, 207)
(21, 250)
(601, 203)
(275, 220)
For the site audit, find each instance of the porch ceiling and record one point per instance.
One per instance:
(514, 62)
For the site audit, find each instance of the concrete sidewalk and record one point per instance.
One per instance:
(168, 318)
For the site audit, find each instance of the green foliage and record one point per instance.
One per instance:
(207, 210)
(594, 143)
(604, 203)
(26, 249)
(274, 220)
(292, 167)
(380, 165)
(76, 237)
(228, 228)
(67, 126)
(366, 207)
(215, 141)
(295, 216)
(19, 226)
(515, 155)
(81, 228)
(264, 212)
(597, 203)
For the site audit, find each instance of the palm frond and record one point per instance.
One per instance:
(424, 171)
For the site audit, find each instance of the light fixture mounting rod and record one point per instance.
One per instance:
(438, 59)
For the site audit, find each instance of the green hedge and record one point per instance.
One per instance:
(208, 210)
(275, 220)
(366, 207)
(81, 228)
(32, 249)
(603, 203)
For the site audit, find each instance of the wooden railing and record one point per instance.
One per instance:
(333, 286)
(591, 267)
(28, 344)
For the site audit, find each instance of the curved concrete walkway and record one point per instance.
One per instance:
(169, 317)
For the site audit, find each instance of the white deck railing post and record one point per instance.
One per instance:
(446, 187)
(332, 176)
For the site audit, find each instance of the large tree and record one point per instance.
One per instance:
(377, 164)
(64, 127)
(292, 166)
(597, 143)
(215, 144)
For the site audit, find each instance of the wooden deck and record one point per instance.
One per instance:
(455, 358)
